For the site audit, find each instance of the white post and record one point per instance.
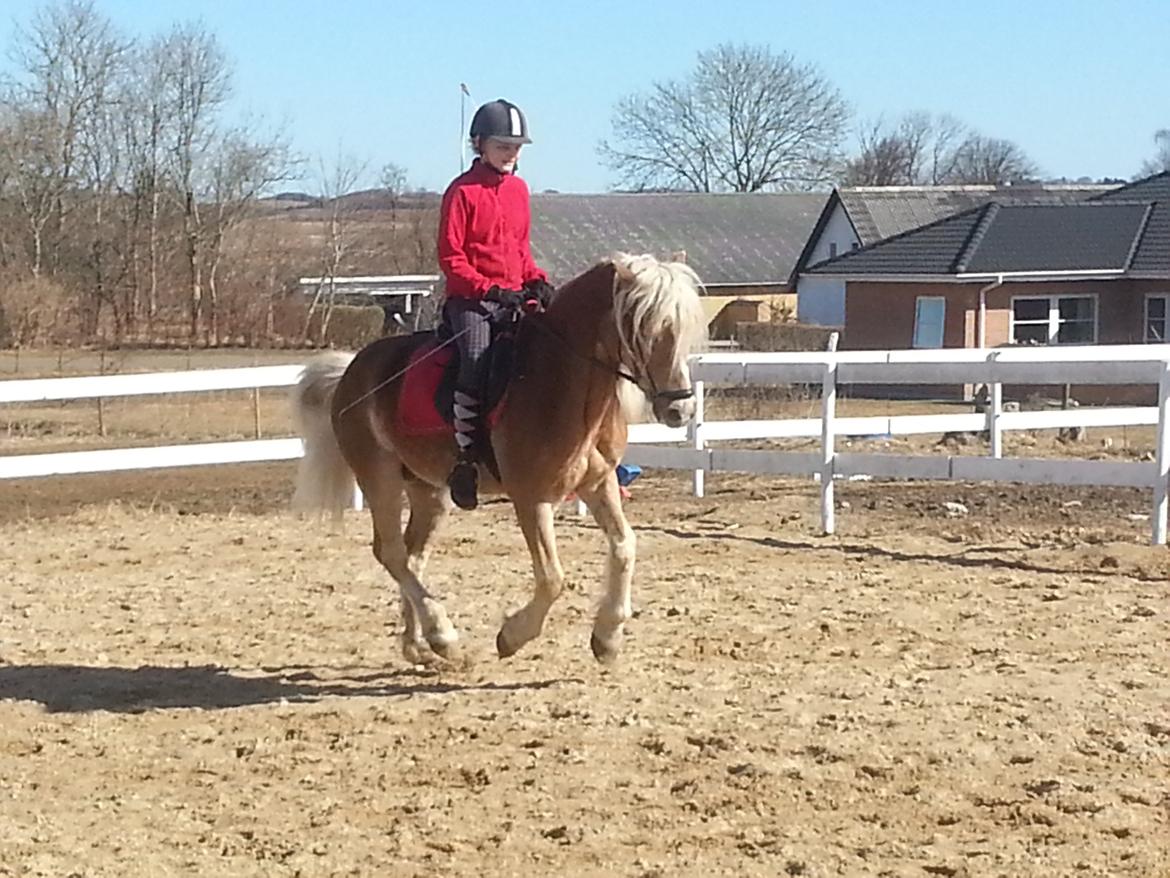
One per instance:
(696, 430)
(994, 425)
(358, 499)
(1162, 458)
(828, 438)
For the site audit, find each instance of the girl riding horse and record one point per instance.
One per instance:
(484, 253)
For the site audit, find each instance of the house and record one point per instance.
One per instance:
(743, 245)
(1089, 272)
(859, 216)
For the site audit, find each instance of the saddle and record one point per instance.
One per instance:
(427, 397)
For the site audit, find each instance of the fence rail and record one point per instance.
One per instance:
(693, 448)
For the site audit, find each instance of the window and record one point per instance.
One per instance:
(832, 249)
(929, 320)
(1157, 324)
(1054, 320)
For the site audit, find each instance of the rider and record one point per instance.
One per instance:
(485, 255)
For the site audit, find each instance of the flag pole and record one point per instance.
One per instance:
(463, 95)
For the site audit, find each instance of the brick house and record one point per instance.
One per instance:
(1092, 272)
(858, 216)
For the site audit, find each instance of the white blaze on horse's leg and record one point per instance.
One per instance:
(390, 550)
(537, 523)
(614, 609)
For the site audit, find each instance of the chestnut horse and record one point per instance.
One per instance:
(627, 324)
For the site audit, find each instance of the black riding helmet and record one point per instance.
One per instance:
(502, 120)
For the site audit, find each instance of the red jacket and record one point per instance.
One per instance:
(483, 233)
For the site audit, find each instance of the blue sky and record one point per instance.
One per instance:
(1081, 87)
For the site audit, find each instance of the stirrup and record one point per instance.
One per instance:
(464, 484)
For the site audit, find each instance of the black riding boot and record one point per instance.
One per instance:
(464, 478)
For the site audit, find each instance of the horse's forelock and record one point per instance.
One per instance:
(651, 297)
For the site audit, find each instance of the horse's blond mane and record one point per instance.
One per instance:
(662, 296)
(649, 298)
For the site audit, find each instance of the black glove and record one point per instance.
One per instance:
(541, 290)
(507, 298)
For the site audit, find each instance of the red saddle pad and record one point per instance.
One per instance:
(417, 414)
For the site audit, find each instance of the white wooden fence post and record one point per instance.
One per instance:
(696, 437)
(994, 422)
(994, 412)
(828, 438)
(358, 499)
(1162, 458)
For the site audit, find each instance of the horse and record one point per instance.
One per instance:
(613, 343)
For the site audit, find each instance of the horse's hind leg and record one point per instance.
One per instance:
(536, 520)
(424, 618)
(605, 502)
(429, 507)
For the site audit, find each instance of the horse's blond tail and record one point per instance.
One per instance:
(325, 483)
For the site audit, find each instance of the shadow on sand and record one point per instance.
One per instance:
(78, 689)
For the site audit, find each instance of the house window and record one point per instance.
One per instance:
(832, 249)
(1157, 324)
(1054, 320)
(929, 320)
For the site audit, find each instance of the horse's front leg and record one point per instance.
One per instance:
(605, 502)
(536, 520)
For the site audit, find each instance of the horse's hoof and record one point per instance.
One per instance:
(604, 651)
(503, 648)
(445, 646)
(418, 654)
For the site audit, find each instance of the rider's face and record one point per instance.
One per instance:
(501, 156)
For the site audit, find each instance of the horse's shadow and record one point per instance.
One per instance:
(982, 557)
(80, 689)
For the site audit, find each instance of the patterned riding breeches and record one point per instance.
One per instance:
(470, 322)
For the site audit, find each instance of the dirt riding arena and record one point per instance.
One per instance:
(194, 683)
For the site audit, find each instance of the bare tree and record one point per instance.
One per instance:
(745, 119)
(992, 160)
(336, 182)
(921, 149)
(146, 137)
(1161, 160)
(69, 58)
(197, 83)
(242, 166)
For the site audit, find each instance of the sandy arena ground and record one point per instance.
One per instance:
(194, 683)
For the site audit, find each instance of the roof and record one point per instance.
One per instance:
(879, 212)
(728, 238)
(999, 238)
(1155, 188)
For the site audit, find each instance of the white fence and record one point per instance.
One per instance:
(1128, 364)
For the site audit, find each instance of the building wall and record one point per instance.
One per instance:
(821, 301)
(880, 316)
(838, 230)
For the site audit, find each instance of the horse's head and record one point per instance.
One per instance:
(660, 322)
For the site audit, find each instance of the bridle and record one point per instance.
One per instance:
(654, 394)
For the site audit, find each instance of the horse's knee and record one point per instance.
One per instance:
(624, 549)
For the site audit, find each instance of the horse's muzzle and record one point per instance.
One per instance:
(676, 411)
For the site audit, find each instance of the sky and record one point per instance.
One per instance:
(1081, 87)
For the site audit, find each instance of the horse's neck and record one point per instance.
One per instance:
(571, 366)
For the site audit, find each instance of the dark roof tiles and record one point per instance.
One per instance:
(728, 238)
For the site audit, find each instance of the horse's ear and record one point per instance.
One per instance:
(623, 275)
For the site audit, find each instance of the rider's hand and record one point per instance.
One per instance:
(507, 298)
(541, 290)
